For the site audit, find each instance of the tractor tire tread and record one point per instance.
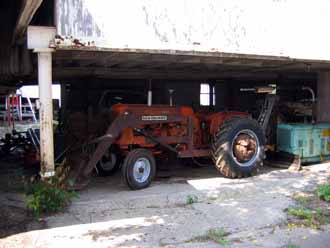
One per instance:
(220, 148)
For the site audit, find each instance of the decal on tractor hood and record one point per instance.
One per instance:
(154, 118)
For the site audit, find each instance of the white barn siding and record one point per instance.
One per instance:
(291, 28)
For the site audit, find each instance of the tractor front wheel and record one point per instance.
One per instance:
(139, 168)
(108, 164)
(238, 148)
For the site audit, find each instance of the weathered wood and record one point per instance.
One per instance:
(284, 66)
(178, 64)
(147, 73)
(29, 7)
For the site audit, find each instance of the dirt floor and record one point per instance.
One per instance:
(13, 215)
(194, 208)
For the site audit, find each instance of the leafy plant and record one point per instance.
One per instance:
(48, 197)
(323, 191)
(191, 199)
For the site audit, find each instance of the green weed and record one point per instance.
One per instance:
(301, 213)
(191, 199)
(303, 200)
(312, 218)
(218, 235)
(291, 245)
(323, 191)
(48, 197)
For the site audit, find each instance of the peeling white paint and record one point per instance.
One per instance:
(46, 113)
(293, 28)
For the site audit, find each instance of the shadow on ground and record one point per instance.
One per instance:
(251, 210)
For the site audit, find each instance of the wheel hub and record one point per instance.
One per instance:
(245, 147)
(141, 170)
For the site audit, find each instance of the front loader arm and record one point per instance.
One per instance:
(105, 141)
(80, 174)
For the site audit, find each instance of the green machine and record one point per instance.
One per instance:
(311, 142)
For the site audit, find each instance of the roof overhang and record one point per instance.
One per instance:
(73, 62)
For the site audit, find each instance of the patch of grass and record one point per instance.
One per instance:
(191, 199)
(48, 197)
(321, 216)
(218, 235)
(312, 218)
(303, 200)
(301, 213)
(323, 191)
(291, 245)
(310, 210)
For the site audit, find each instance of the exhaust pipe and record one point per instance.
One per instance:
(311, 91)
(170, 91)
(313, 101)
(149, 97)
(150, 94)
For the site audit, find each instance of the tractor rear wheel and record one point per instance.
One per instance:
(139, 168)
(238, 148)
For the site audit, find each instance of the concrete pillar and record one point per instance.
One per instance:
(46, 113)
(323, 97)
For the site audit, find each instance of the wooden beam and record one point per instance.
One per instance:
(76, 72)
(28, 9)
(283, 66)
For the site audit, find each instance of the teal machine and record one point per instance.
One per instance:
(299, 142)
(311, 142)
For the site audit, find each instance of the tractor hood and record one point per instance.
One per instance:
(153, 112)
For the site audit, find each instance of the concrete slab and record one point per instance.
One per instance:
(251, 210)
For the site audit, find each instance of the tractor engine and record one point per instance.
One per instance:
(169, 131)
(175, 129)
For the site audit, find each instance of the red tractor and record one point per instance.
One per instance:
(139, 133)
